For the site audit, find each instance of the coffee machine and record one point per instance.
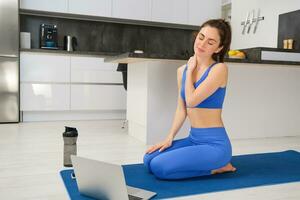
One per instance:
(48, 36)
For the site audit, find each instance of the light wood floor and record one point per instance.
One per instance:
(31, 157)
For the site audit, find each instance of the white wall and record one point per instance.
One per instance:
(266, 34)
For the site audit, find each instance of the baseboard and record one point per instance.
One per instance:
(37, 116)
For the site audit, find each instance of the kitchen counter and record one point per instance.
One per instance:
(79, 53)
(131, 57)
(254, 55)
(267, 55)
(152, 88)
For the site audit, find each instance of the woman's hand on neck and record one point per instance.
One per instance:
(192, 64)
(204, 62)
(196, 62)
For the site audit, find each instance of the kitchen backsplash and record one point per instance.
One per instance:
(289, 28)
(113, 37)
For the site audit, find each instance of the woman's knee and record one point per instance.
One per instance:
(146, 160)
(160, 168)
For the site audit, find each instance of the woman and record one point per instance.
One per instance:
(201, 91)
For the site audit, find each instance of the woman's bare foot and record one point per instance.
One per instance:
(227, 168)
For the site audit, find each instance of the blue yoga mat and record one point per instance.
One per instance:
(252, 170)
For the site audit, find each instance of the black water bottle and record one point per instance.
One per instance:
(70, 137)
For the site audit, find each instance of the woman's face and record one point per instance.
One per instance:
(207, 42)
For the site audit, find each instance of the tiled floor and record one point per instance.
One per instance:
(31, 157)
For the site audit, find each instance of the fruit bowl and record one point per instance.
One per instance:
(237, 57)
(236, 54)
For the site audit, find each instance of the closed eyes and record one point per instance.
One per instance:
(210, 40)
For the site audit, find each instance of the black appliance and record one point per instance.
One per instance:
(48, 36)
(122, 67)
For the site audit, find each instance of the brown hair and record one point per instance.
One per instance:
(224, 30)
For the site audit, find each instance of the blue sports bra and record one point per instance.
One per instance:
(213, 101)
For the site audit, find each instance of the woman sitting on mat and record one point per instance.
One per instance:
(201, 91)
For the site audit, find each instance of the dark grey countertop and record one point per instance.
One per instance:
(254, 55)
(275, 62)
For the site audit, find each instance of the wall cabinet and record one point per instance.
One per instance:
(192, 12)
(132, 9)
(200, 11)
(45, 5)
(170, 11)
(90, 7)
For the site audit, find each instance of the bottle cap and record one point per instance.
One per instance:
(70, 132)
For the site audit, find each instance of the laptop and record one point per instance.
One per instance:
(102, 180)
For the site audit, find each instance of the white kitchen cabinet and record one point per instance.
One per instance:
(170, 11)
(45, 5)
(93, 70)
(47, 80)
(44, 67)
(91, 7)
(98, 97)
(61, 86)
(201, 11)
(132, 9)
(44, 97)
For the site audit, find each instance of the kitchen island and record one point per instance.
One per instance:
(261, 98)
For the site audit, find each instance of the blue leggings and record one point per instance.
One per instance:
(205, 149)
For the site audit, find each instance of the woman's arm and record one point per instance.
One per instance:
(212, 82)
(180, 114)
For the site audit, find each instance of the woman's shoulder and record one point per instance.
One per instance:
(220, 67)
(181, 68)
(180, 71)
(221, 64)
